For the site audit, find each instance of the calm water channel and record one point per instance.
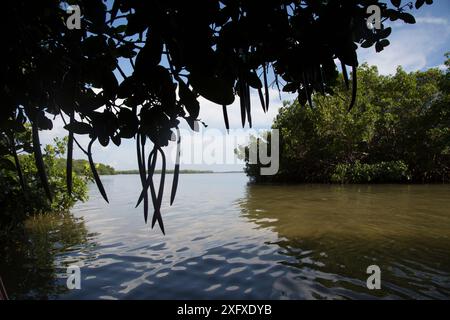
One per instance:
(228, 239)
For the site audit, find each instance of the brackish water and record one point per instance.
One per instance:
(227, 239)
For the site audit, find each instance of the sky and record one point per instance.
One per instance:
(414, 47)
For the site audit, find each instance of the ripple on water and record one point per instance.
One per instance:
(228, 239)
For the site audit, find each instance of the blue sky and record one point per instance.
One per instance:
(414, 47)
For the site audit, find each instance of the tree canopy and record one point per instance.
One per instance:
(177, 51)
(398, 131)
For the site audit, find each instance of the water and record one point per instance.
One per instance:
(227, 239)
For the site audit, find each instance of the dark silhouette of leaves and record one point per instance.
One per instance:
(354, 88)
(79, 127)
(225, 118)
(176, 171)
(345, 75)
(380, 45)
(384, 33)
(157, 213)
(18, 168)
(396, 3)
(407, 17)
(266, 87)
(189, 100)
(214, 88)
(98, 182)
(69, 160)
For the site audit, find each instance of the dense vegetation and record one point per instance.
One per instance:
(398, 131)
(151, 60)
(22, 194)
(184, 171)
(80, 166)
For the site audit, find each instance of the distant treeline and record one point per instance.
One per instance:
(81, 166)
(167, 171)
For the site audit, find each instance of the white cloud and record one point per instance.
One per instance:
(432, 20)
(411, 46)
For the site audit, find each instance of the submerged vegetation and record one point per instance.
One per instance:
(398, 131)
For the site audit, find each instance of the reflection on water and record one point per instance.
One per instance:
(227, 239)
(334, 232)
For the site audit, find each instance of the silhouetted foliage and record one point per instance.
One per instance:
(216, 49)
(398, 131)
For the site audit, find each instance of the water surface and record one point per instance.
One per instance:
(227, 239)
